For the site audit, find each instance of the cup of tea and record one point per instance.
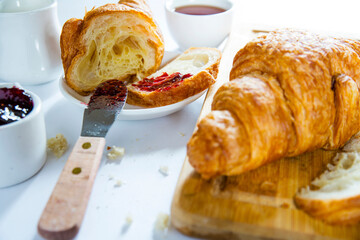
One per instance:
(199, 23)
(29, 41)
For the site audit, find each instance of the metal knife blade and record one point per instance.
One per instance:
(103, 108)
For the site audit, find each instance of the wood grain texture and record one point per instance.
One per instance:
(257, 204)
(64, 212)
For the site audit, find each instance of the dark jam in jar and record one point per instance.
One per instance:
(15, 104)
(199, 10)
(161, 83)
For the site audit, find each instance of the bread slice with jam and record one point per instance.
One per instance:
(190, 73)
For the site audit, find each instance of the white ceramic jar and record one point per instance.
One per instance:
(22, 144)
(29, 42)
(199, 30)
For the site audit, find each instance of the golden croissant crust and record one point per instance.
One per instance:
(290, 92)
(119, 41)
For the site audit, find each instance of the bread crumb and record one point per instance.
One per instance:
(268, 186)
(162, 222)
(126, 226)
(115, 153)
(118, 183)
(285, 205)
(182, 134)
(111, 177)
(164, 170)
(57, 145)
(128, 220)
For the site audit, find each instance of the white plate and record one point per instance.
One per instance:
(131, 112)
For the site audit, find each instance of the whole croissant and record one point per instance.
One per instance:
(290, 92)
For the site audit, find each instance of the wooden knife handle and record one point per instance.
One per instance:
(64, 212)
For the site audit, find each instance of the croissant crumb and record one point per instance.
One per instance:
(57, 145)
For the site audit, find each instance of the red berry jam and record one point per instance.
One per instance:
(110, 95)
(15, 104)
(161, 83)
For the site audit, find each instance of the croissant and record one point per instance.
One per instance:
(289, 92)
(119, 41)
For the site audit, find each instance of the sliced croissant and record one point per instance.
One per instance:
(115, 41)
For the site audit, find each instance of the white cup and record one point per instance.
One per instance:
(29, 42)
(22, 144)
(199, 30)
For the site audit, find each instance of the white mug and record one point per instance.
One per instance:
(29, 43)
(199, 30)
(22, 144)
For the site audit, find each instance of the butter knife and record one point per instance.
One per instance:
(65, 209)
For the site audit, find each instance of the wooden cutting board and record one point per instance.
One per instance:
(257, 204)
(254, 205)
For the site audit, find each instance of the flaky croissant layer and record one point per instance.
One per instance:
(289, 92)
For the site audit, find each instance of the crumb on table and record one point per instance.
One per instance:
(57, 145)
(128, 220)
(164, 170)
(115, 152)
(162, 222)
(118, 183)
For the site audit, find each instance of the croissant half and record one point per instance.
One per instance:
(289, 92)
(119, 41)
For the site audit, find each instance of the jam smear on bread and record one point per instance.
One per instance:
(161, 83)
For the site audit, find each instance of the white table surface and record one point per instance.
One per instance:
(149, 144)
